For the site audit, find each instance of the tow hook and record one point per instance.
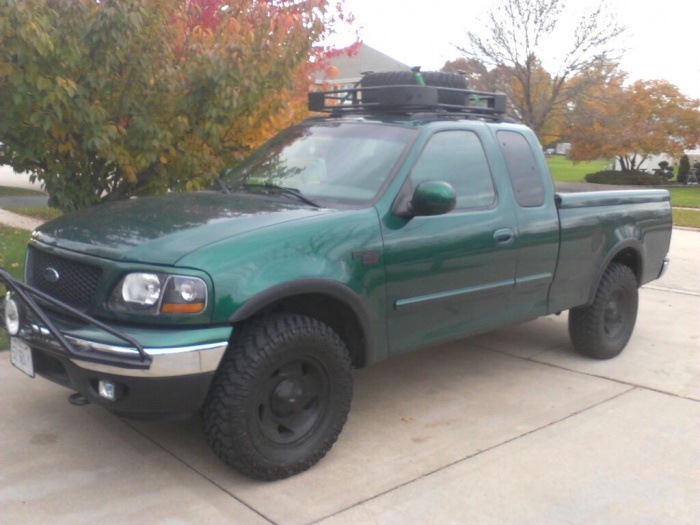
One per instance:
(78, 399)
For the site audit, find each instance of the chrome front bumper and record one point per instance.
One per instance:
(166, 362)
(169, 361)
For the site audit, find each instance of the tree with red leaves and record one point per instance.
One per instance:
(104, 100)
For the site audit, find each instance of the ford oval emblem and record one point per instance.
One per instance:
(51, 275)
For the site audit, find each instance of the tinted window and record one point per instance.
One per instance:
(524, 175)
(458, 158)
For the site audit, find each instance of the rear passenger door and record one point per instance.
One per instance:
(538, 223)
(452, 273)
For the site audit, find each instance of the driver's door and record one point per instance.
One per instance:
(452, 273)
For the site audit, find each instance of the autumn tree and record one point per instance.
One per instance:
(633, 122)
(586, 83)
(477, 74)
(103, 100)
(526, 39)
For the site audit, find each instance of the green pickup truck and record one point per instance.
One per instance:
(407, 215)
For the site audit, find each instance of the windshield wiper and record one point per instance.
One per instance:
(223, 186)
(286, 191)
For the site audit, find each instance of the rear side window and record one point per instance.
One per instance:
(525, 178)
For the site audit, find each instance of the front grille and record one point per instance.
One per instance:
(71, 282)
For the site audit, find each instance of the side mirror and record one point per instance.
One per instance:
(433, 198)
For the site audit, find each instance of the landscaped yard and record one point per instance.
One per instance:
(685, 197)
(563, 170)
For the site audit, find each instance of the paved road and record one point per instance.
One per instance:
(508, 427)
(35, 201)
(10, 178)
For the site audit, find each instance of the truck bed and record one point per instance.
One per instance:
(596, 227)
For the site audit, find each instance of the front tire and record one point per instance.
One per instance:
(280, 398)
(602, 329)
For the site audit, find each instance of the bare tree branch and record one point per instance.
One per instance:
(520, 36)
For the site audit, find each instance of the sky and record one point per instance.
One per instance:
(662, 40)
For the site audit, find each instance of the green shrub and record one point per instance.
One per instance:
(625, 178)
(665, 170)
(683, 170)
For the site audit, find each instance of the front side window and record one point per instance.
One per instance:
(457, 157)
(345, 163)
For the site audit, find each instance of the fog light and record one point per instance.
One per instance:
(12, 315)
(107, 389)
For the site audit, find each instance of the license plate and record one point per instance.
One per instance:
(21, 356)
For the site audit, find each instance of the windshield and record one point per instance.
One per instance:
(345, 163)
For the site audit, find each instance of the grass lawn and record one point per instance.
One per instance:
(564, 170)
(45, 214)
(685, 197)
(13, 242)
(689, 218)
(8, 191)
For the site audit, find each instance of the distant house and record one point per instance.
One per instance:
(650, 164)
(351, 68)
(693, 156)
(562, 148)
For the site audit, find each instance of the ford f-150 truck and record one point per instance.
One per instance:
(407, 215)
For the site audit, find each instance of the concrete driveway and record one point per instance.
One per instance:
(509, 427)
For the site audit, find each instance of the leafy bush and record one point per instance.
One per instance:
(631, 178)
(665, 170)
(101, 100)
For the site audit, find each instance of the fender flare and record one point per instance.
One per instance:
(333, 289)
(636, 246)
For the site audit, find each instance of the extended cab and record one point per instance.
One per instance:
(407, 216)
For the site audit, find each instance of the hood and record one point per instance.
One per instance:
(163, 229)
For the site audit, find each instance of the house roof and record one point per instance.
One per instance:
(350, 68)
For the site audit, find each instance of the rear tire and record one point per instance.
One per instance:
(602, 329)
(280, 398)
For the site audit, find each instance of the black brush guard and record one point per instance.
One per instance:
(27, 294)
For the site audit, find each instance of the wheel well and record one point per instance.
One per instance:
(330, 311)
(630, 257)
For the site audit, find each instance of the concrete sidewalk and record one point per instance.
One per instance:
(508, 427)
(14, 220)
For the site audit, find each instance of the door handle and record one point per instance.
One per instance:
(504, 237)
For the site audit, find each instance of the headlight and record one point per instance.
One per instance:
(154, 293)
(142, 289)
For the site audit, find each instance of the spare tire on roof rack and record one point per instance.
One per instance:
(411, 78)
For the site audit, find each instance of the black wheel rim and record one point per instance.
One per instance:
(615, 314)
(293, 401)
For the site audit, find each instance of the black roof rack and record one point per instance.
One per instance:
(408, 99)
